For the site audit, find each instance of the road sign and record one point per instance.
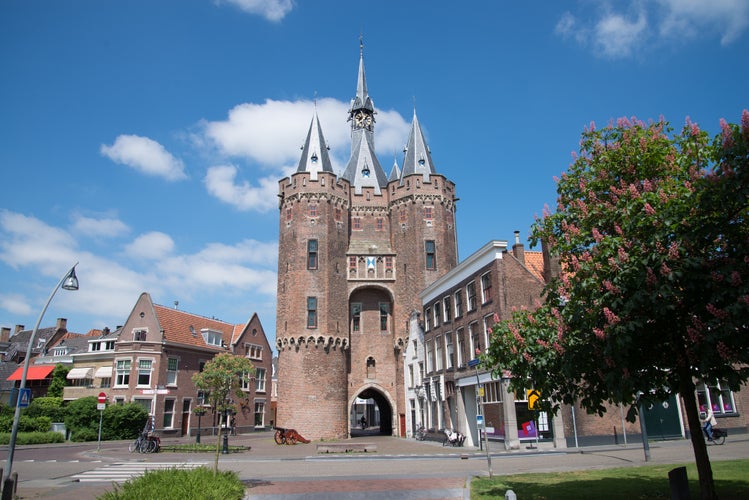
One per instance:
(101, 406)
(480, 420)
(533, 396)
(24, 397)
(102, 397)
(472, 363)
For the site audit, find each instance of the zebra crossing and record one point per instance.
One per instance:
(121, 472)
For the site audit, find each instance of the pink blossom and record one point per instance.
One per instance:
(649, 209)
(597, 235)
(673, 251)
(609, 287)
(600, 334)
(727, 133)
(611, 318)
(651, 278)
(528, 357)
(716, 276)
(718, 313)
(558, 348)
(724, 351)
(735, 278)
(496, 318)
(623, 255)
(745, 124)
(542, 343)
(665, 270)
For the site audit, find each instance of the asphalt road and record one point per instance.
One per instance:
(398, 469)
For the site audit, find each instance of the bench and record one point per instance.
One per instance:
(347, 447)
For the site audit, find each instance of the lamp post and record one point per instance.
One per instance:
(68, 282)
(199, 411)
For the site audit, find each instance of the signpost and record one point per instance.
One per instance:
(24, 397)
(474, 363)
(101, 405)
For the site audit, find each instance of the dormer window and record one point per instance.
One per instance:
(422, 161)
(60, 351)
(313, 158)
(365, 171)
(212, 337)
(40, 343)
(140, 334)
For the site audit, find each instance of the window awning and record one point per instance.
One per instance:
(34, 373)
(103, 372)
(80, 373)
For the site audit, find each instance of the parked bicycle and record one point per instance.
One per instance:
(145, 443)
(421, 433)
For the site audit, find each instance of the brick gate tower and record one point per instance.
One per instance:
(354, 252)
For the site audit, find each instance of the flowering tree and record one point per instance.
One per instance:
(652, 237)
(221, 378)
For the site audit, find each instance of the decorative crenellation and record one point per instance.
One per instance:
(288, 342)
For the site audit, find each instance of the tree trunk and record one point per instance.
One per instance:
(702, 459)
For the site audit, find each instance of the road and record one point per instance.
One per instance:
(399, 469)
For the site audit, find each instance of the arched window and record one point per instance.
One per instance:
(371, 371)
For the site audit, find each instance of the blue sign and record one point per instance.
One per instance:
(480, 420)
(472, 363)
(24, 397)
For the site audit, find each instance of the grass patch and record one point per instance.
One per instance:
(179, 484)
(649, 481)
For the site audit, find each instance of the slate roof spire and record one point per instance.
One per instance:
(315, 157)
(418, 158)
(363, 168)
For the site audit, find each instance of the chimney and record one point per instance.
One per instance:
(552, 269)
(518, 250)
(62, 324)
(5, 334)
(19, 329)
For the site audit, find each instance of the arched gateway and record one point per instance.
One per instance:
(376, 407)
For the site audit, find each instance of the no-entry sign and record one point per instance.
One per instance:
(102, 397)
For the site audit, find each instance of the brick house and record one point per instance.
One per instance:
(458, 311)
(38, 377)
(159, 349)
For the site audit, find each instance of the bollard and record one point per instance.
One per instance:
(9, 487)
(510, 495)
(677, 479)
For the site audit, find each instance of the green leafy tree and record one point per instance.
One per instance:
(51, 407)
(82, 416)
(652, 238)
(222, 378)
(57, 384)
(123, 421)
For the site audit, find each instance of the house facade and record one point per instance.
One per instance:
(159, 349)
(453, 326)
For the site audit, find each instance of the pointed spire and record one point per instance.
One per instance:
(362, 99)
(315, 157)
(395, 173)
(418, 158)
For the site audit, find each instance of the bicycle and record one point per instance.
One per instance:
(719, 436)
(138, 443)
(145, 444)
(421, 433)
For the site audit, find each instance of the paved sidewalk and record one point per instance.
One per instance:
(422, 469)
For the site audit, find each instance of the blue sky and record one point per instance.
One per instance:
(145, 139)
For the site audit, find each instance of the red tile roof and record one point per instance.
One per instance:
(184, 328)
(534, 261)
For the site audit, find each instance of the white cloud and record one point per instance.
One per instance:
(103, 227)
(153, 245)
(220, 181)
(639, 24)
(272, 10)
(617, 36)
(692, 18)
(15, 304)
(270, 136)
(218, 275)
(145, 155)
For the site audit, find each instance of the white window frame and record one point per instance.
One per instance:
(141, 370)
(171, 413)
(171, 375)
(259, 409)
(471, 297)
(459, 343)
(450, 360)
(123, 372)
(260, 379)
(486, 284)
(438, 349)
(458, 303)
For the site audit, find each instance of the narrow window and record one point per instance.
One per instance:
(431, 256)
(355, 317)
(486, 288)
(171, 371)
(427, 318)
(312, 210)
(437, 314)
(311, 312)
(168, 413)
(259, 413)
(312, 254)
(384, 313)
(379, 224)
(458, 303)
(356, 223)
(260, 380)
(428, 213)
(450, 350)
(388, 263)
(438, 353)
(338, 214)
(471, 293)
(144, 372)
(123, 372)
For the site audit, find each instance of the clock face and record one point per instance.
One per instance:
(368, 120)
(359, 118)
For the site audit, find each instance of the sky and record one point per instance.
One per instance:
(145, 140)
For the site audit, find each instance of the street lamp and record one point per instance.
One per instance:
(199, 411)
(68, 282)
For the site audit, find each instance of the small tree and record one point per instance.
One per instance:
(652, 236)
(57, 385)
(221, 378)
